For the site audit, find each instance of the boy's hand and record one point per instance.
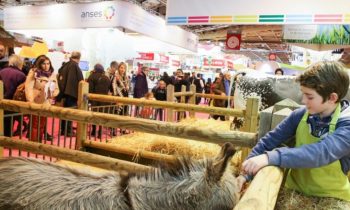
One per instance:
(254, 164)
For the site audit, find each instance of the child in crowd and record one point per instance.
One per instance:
(320, 159)
(146, 111)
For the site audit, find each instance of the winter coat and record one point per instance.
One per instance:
(69, 76)
(141, 86)
(120, 85)
(11, 77)
(218, 90)
(40, 89)
(99, 83)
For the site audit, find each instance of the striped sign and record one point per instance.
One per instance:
(262, 19)
(260, 11)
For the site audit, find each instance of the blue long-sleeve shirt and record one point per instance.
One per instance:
(330, 148)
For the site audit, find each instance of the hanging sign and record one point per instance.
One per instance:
(218, 12)
(272, 57)
(164, 59)
(175, 63)
(233, 42)
(229, 65)
(146, 56)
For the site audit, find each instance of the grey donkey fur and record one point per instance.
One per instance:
(196, 185)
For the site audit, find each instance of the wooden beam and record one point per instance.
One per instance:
(263, 191)
(189, 93)
(213, 96)
(251, 121)
(170, 99)
(133, 152)
(164, 104)
(72, 155)
(192, 99)
(82, 105)
(148, 126)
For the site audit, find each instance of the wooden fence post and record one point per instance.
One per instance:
(182, 114)
(82, 105)
(1, 117)
(192, 99)
(170, 98)
(250, 120)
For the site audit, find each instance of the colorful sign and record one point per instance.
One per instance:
(272, 57)
(175, 63)
(201, 12)
(229, 65)
(233, 42)
(213, 62)
(146, 56)
(164, 59)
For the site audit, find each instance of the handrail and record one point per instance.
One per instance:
(213, 96)
(72, 155)
(237, 138)
(163, 104)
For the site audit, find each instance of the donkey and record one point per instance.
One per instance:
(185, 184)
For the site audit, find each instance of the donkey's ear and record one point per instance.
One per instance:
(219, 165)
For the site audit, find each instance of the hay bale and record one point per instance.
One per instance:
(178, 146)
(292, 200)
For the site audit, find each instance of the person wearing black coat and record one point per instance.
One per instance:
(159, 93)
(180, 80)
(166, 79)
(99, 83)
(68, 78)
(141, 86)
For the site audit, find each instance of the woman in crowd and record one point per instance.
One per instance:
(40, 87)
(120, 85)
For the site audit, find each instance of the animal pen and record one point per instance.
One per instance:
(261, 194)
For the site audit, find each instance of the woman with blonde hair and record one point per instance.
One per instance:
(40, 87)
(120, 85)
(121, 81)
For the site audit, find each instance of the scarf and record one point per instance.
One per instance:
(40, 73)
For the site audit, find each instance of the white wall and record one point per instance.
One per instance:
(103, 45)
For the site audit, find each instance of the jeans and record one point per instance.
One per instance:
(69, 101)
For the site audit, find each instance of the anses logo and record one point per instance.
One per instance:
(108, 13)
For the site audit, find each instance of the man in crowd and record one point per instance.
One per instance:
(11, 76)
(159, 93)
(69, 76)
(198, 82)
(141, 85)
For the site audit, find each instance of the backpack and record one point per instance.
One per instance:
(20, 94)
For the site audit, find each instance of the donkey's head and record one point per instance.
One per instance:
(206, 184)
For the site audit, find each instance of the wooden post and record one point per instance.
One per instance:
(263, 191)
(182, 100)
(251, 120)
(192, 99)
(1, 117)
(82, 105)
(170, 98)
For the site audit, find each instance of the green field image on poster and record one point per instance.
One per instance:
(325, 34)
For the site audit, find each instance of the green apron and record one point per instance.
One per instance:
(325, 181)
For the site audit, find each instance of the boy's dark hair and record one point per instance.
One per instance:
(279, 70)
(326, 77)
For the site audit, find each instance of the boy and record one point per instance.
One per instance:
(320, 159)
